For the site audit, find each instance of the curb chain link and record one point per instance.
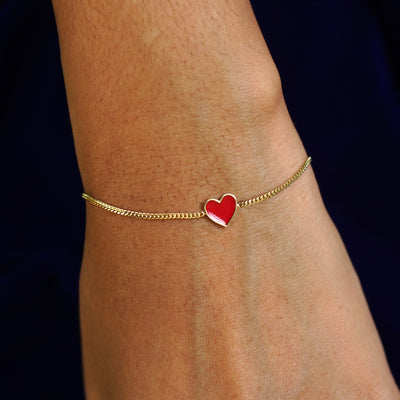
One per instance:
(200, 214)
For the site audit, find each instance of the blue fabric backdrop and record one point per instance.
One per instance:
(340, 65)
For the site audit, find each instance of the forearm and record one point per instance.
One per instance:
(169, 84)
(172, 103)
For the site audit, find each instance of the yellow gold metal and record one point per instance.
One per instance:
(279, 188)
(219, 201)
(200, 214)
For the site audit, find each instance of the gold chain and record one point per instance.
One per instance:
(279, 188)
(193, 215)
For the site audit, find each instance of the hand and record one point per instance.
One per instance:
(173, 103)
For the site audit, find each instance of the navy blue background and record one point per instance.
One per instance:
(340, 66)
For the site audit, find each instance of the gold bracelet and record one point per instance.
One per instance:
(219, 211)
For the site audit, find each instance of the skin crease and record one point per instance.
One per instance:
(172, 103)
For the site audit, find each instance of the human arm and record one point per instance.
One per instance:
(172, 103)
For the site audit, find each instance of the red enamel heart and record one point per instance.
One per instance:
(221, 211)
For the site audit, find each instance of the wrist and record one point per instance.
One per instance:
(242, 146)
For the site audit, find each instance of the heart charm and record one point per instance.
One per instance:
(221, 211)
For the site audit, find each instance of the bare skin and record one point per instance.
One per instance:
(172, 103)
